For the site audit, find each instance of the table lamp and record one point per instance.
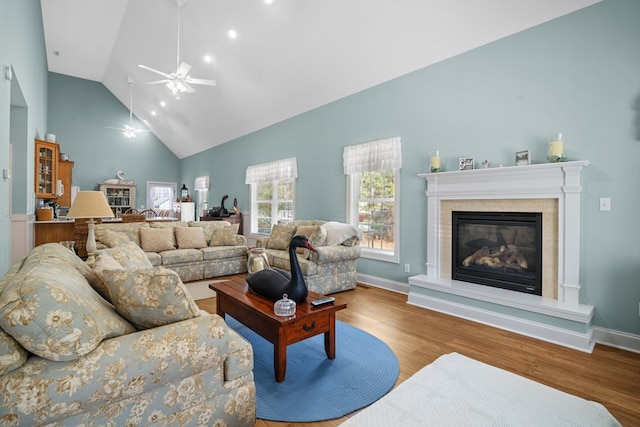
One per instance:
(90, 204)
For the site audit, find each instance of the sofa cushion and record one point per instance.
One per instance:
(12, 354)
(52, 311)
(208, 227)
(168, 224)
(279, 259)
(190, 238)
(129, 256)
(150, 297)
(157, 239)
(111, 238)
(178, 256)
(96, 279)
(224, 236)
(281, 235)
(131, 229)
(223, 252)
(154, 258)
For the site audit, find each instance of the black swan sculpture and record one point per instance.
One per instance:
(272, 283)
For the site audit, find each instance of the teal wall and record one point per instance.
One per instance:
(22, 49)
(579, 74)
(81, 115)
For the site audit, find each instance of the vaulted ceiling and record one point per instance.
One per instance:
(289, 57)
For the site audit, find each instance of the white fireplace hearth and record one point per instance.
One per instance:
(553, 189)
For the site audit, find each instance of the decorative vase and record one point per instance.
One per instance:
(257, 260)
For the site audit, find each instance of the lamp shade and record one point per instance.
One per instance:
(90, 204)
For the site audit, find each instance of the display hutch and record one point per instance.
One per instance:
(120, 197)
(46, 169)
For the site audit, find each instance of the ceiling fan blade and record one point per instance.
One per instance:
(187, 88)
(157, 82)
(153, 70)
(183, 69)
(201, 81)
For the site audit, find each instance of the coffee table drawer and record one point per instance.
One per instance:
(305, 328)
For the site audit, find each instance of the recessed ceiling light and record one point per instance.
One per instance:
(208, 59)
(268, 1)
(233, 34)
(153, 113)
(163, 104)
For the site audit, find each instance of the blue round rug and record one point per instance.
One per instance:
(316, 388)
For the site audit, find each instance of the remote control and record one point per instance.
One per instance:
(318, 302)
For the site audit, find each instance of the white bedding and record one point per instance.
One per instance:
(455, 390)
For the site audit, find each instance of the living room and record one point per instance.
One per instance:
(575, 74)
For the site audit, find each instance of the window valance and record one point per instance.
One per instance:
(272, 171)
(374, 155)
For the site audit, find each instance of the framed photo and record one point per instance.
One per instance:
(523, 158)
(466, 163)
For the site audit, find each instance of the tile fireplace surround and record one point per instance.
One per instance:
(551, 188)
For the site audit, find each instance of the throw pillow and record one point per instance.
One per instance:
(281, 235)
(53, 312)
(12, 355)
(190, 238)
(157, 239)
(129, 256)
(315, 234)
(96, 278)
(112, 239)
(224, 236)
(150, 297)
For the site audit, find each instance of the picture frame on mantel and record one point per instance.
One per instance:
(466, 163)
(523, 158)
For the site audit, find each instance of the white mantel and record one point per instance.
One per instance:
(549, 181)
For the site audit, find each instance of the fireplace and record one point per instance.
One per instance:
(499, 249)
(554, 190)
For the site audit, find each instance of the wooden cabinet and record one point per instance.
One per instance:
(120, 197)
(52, 232)
(46, 169)
(233, 219)
(65, 173)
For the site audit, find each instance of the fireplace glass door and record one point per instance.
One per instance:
(499, 249)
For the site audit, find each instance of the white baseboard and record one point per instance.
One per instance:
(378, 282)
(584, 342)
(617, 339)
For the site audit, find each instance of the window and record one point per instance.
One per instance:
(373, 183)
(272, 193)
(160, 196)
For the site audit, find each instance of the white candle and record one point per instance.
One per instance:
(435, 161)
(556, 148)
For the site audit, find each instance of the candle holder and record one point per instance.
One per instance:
(556, 148)
(436, 162)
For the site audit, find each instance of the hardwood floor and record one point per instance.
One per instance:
(419, 336)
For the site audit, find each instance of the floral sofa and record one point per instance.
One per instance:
(150, 357)
(332, 268)
(194, 250)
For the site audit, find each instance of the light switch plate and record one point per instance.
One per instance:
(6, 173)
(605, 204)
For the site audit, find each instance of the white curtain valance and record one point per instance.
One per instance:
(202, 183)
(272, 171)
(374, 155)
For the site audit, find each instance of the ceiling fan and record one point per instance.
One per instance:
(179, 81)
(127, 129)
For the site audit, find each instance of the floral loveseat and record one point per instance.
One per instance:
(194, 250)
(332, 268)
(69, 357)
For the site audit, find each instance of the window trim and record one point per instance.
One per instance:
(353, 186)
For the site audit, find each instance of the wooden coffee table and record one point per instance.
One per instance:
(256, 313)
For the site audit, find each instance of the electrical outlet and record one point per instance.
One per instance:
(605, 204)
(407, 268)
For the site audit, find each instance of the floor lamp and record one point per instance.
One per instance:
(90, 204)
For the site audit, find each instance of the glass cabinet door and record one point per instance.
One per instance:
(46, 164)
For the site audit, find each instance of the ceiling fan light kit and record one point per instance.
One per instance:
(179, 81)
